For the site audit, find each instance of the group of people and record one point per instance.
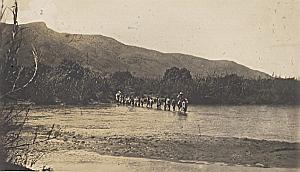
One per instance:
(166, 102)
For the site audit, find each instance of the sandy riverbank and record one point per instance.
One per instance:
(189, 149)
(80, 160)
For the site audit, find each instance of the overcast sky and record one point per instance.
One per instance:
(261, 34)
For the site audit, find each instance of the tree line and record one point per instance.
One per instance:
(72, 83)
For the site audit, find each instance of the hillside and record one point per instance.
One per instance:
(106, 55)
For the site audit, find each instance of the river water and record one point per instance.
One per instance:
(259, 122)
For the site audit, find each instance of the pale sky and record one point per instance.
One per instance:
(261, 34)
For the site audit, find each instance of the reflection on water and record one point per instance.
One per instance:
(260, 122)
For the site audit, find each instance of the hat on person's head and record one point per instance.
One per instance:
(180, 92)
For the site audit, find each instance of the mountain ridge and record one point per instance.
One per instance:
(107, 55)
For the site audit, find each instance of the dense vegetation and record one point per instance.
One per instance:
(73, 84)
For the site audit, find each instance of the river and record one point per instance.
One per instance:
(274, 123)
(258, 122)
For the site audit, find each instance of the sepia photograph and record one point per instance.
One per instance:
(150, 85)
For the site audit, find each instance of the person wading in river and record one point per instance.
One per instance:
(118, 96)
(180, 99)
(158, 103)
(184, 105)
(173, 102)
(148, 102)
(167, 103)
(143, 99)
(151, 102)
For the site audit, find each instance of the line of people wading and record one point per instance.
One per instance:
(147, 101)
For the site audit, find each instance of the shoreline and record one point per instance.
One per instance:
(231, 151)
(113, 102)
(80, 160)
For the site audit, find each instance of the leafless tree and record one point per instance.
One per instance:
(17, 140)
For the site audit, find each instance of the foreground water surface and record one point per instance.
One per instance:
(259, 122)
(124, 126)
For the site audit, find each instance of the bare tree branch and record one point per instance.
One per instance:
(36, 142)
(18, 143)
(18, 77)
(35, 58)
